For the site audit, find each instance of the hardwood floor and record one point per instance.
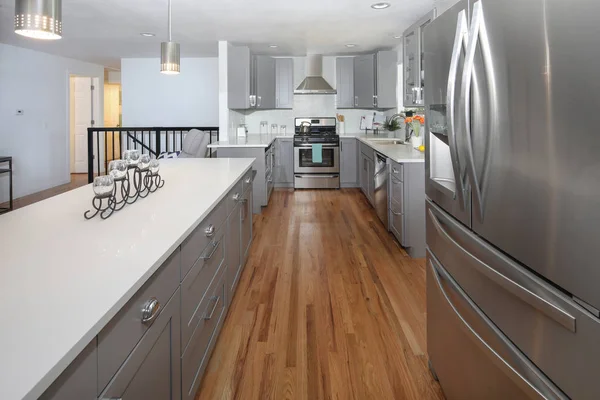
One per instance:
(77, 180)
(328, 307)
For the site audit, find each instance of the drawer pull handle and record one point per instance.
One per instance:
(236, 197)
(396, 181)
(210, 230)
(395, 171)
(395, 213)
(248, 180)
(213, 250)
(215, 299)
(150, 310)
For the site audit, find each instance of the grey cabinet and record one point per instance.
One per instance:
(265, 82)
(386, 79)
(348, 162)
(414, 61)
(246, 218)
(234, 244)
(239, 78)
(345, 82)
(152, 370)
(284, 82)
(284, 162)
(367, 169)
(364, 81)
(79, 380)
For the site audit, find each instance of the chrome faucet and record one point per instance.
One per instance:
(400, 115)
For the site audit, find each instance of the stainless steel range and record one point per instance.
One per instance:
(316, 154)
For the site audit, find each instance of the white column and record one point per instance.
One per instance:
(223, 99)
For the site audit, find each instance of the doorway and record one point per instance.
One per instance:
(84, 102)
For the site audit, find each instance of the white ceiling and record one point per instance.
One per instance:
(104, 31)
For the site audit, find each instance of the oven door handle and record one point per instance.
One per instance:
(316, 176)
(310, 145)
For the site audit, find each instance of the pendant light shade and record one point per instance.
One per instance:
(39, 19)
(170, 59)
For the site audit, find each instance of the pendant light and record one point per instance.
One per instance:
(39, 19)
(169, 53)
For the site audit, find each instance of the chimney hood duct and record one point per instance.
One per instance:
(314, 82)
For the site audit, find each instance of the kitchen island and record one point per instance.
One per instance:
(71, 288)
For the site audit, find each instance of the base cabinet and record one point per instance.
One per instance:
(348, 163)
(152, 370)
(246, 224)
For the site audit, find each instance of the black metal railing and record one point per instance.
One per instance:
(107, 144)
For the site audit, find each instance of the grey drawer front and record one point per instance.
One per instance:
(397, 223)
(247, 180)
(367, 151)
(548, 326)
(194, 288)
(193, 246)
(235, 193)
(79, 380)
(120, 336)
(397, 191)
(153, 370)
(196, 355)
(397, 171)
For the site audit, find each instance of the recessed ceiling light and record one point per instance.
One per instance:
(273, 46)
(147, 34)
(349, 45)
(398, 37)
(380, 6)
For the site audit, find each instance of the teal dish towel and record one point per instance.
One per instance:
(317, 153)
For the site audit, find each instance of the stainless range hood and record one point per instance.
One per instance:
(314, 82)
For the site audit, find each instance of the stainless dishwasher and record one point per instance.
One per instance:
(380, 186)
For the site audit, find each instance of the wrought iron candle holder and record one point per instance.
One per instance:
(131, 178)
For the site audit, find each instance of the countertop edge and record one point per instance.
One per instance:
(398, 160)
(38, 389)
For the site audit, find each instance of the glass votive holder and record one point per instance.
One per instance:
(144, 162)
(283, 129)
(103, 185)
(154, 166)
(117, 169)
(132, 157)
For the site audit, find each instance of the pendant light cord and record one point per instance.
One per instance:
(169, 20)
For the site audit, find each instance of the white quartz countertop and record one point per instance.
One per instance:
(400, 153)
(252, 140)
(63, 278)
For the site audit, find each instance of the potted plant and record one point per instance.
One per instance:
(391, 125)
(414, 124)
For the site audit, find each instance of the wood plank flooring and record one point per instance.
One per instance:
(328, 307)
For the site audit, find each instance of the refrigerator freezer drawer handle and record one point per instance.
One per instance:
(532, 382)
(460, 43)
(542, 305)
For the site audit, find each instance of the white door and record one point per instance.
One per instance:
(83, 119)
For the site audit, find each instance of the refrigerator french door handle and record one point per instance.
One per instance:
(533, 382)
(542, 305)
(477, 34)
(460, 43)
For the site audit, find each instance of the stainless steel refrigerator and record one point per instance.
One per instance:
(512, 94)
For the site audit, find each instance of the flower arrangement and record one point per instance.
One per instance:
(415, 124)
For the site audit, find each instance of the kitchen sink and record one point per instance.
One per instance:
(387, 141)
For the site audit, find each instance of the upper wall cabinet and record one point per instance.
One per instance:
(367, 81)
(414, 77)
(284, 82)
(239, 83)
(345, 82)
(251, 80)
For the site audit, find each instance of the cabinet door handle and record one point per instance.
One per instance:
(150, 310)
(252, 101)
(355, 101)
(210, 230)
(236, 197)
(214, 299)
(215, 246)
(395, 213)
(259, 101)
(395, 171)
(248, 180)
